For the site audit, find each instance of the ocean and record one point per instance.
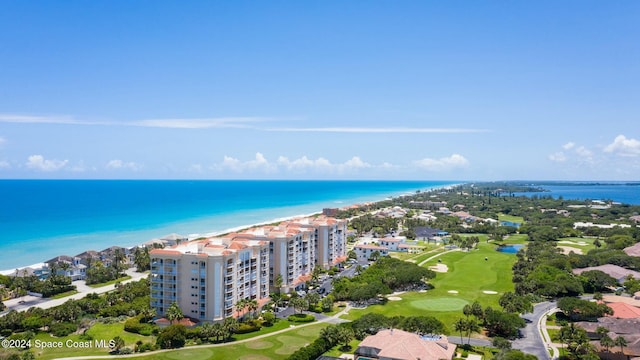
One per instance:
(41, 219)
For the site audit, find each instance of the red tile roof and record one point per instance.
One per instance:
(624, 311)
(398, 344)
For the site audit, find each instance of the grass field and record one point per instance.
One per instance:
(505, 217)
(110, 282)
(469, 275)
(98, 332)
(583, 244)
(278, 346)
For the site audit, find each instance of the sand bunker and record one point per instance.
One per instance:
(579, 243)
(394, 298)
(439, 268)
(490, 292)
(422, 291)
(452, 291)
(567, 249)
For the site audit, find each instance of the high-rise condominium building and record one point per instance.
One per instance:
(207, 277)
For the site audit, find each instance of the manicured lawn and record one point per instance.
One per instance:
(469, 274)
(110, 282)
(584, 244)
(97, 332)
(64, 294)
(511, 218)
(336, 352)
(278, 346)
(279, 325)
(516, 239)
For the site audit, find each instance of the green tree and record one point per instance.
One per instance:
(174, 313)
(345, 335)
(461, 326)
(118, 344)
(620, 341)
(327, 303)
(172, 337)
(299, 304)
(277, 282)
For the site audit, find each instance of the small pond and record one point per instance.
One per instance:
(510, 249)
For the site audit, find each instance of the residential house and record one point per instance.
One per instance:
(429, 234)
(394, 344)
(69, 266)
(633, 250)
(615, 271)
(364, 251)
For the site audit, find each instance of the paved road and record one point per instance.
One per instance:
(532, 341)
(26, 302)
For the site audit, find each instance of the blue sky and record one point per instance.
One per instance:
(462, 90)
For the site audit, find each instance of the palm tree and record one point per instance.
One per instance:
(206, 331)
(230, 325)
(460, 325)
(606, 341)
(240, 306)
(118, 343)
(218, 331)
(252, 306)
(277, 282)
(118, 258)
(620, 341)
(174, 312)
(471, 326)
(345, 335)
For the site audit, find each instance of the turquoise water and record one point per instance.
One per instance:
(40, 219)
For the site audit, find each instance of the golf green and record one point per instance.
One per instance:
(440, 304)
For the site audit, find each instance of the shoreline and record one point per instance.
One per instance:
(192, 236)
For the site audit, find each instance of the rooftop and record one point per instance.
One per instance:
(398, 344)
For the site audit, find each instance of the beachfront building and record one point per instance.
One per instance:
(298, 246)
(292, 255)
(330, 239)
(208, 277)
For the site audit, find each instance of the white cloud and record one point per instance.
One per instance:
(356, 163)
(558, 157)
(258, 163)
(584, 152)
(304, 163)
(380, 130)
(2, 140)
(568, 145)
(4, 164)
(119, 164)
(623, 146)
(186, 123)
(443, 164)
(38, 162)
(230, 122)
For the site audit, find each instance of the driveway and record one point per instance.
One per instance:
(531, 341)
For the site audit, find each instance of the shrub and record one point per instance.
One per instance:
(247, 327)
(303, 318)
(62, 329)
(172, 337)
(133, 325)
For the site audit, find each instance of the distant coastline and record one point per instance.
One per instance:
(214, 208)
